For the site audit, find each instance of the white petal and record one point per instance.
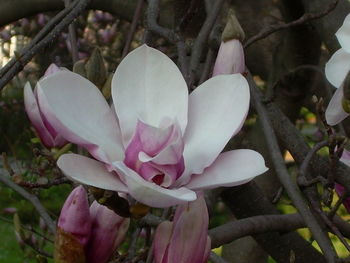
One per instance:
(335, 112)
(217, 110)
(151, 194)
(81, 114)
(147, 85)
(343, 34)
(229, 169)
(338, 67)
(91, 172)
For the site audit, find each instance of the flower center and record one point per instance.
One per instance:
(158, 179)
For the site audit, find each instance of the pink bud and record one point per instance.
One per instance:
(108, 231)
(48, 135)
(230, 59)
(75, 215)
(185, 239)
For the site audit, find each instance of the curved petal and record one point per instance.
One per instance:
(161, 240)
(338, 67)
(335, 112)
(151, 194)
(81, 114)
(217, 110)
(190, 233)
(229, 169)
(33, 112)
(230, 58)
(343, 34)
(150, 82)
(345, 158)
(88, 171)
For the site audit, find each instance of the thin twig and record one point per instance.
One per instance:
(30, 53)
(265, 32)
(207, 66)
(42, 33)
(72, 35)
(282, 173)
(201, 39)
(135, 19)
(31, 198)
(170, 35)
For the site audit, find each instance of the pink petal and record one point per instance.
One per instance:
(335, 112)
(161, 240)
(229, 169)
(190, 233)
(230, 58)
(217, 111)
(108, 231)
(75, 215)
(343, 34)
(150, 82)
(79, 112)
(152, 194)
(33, 113)
(88, 171)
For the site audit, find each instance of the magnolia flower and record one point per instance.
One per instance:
(48, 135)
(185, 239)
(336, 70)
(97, 231)
(230, 59)
(159, 145)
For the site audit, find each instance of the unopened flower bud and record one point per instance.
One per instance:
(233, 29)
(190, 227)
(95, 68)
(74, 226)
(230, 58)
(79, 68)
(108, 231)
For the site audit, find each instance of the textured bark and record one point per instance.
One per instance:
(248, 200)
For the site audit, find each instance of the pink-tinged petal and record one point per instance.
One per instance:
(75, 215)
(343, 34)
(190, 233)
(207, 250)
(217, 110)
(88, 171)
(229, 169)
(345, 158)
(335, 112)
(78, 111)
(51, 69)
(150, 193)
(161, 241)
(150, 82)
(33, 113)
(337, 67)
(108, 231)
(230, 58)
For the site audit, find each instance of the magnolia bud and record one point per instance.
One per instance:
(75, 215)
(95, 68)
(233, 29)
(108, 231)
(190, 227)
(79, 68)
